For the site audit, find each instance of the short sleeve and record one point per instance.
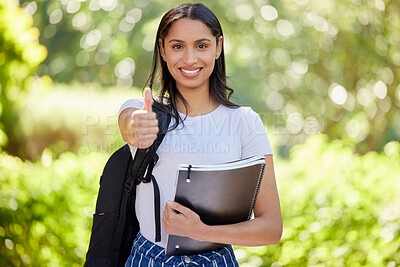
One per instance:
(255, 140)
(132, 103)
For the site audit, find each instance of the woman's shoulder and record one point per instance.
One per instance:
(138, 102)
(240, 111)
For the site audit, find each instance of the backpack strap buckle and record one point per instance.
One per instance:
(129, 185)
(145, 173)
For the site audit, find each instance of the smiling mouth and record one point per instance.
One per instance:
(190, 71)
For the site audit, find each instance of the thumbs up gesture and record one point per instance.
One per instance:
(143, 124)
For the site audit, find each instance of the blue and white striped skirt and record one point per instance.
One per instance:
(146, 253)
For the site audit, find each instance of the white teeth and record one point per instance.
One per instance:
(190, 71)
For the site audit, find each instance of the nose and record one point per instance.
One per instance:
(190, 57)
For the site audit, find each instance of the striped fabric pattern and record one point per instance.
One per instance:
(147, 254)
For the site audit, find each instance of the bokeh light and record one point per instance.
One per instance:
(358, 127)
(320, 24)
(350, 102)
(269, 13)
(294, 123)
(280, 56)
(56, 16)
(134, 15)
(57, 65)
(124, 71)
(148, 43)
(244, 12)
(274, 101)
(82, 58)
(284, 27)
(93, 38)
(73, 6)
(311, 125)
(380, 90)
(380, 5)
(392, 148)
(299, 67)
(107, 5)
(277, 81)
(126, 26)
(338, 94)
(364, 96)
(385, 104)
(30, 7)
(50, 31)
(125, 68)
(102, 56)
(82, 21)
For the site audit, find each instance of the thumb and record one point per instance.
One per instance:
(178, 207)
(148, 99)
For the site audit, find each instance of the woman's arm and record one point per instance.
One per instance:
(139, 128)
(264, 229)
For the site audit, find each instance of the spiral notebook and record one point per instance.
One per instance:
(220, 194)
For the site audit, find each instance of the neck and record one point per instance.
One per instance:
(199, 102)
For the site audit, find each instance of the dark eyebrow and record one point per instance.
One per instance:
(180, 41)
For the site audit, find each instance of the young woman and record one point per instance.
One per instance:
(206, 128)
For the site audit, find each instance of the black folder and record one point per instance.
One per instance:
(220, 194)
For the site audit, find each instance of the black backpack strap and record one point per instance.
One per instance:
(145, 173)
(143, 163)
(157, 207)
(129, 191)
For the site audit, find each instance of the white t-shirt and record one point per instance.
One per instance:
(225, 134)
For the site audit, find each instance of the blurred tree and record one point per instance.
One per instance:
(339, 208)
(330, 66)
(20, 54)
(46, 208)
(333, 66)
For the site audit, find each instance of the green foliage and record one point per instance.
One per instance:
(46, 208)
(339, 208)
(20, 54)
(321, 66)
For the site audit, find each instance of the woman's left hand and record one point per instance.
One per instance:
(181, 221)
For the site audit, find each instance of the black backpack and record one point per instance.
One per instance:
(115, 225)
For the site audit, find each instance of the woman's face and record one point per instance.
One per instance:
(190, 51)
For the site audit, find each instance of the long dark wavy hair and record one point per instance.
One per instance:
(219, 90)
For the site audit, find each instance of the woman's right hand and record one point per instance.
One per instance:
(139, 128)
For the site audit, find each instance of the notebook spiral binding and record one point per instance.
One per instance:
(253, 204)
